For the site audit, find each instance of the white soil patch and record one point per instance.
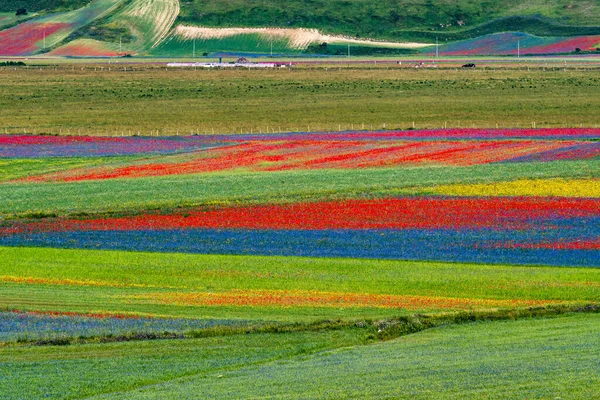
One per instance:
(298, 38)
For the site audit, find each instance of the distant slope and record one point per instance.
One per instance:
(385, 27)
(41, 5)
(390, 19)
(135, 28)
(153, 18)
(184, 39)
(86, 48)
(514, 43)
(46, 32)
(8, 19)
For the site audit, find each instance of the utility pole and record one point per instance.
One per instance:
(437, 48)
(348, 49)
(271, 47)
(518, 48)
(44, 39)
(194, 49)
(120, 44)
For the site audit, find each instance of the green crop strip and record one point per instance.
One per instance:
(130, 282)
(248, 188)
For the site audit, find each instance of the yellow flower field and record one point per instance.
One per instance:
(524, 187)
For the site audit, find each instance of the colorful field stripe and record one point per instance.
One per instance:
(497, 213)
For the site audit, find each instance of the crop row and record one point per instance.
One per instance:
(283, 298)
(46, 325)
(496, 213)
(203, 155)
(29, 146)
(572, 243)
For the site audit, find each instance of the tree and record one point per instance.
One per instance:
(21, 11)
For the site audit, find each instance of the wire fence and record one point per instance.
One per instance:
(273, 129)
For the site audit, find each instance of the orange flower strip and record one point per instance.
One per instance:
(317, 299)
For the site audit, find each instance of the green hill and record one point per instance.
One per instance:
(395, 19)
(41, 5)
(170, 27)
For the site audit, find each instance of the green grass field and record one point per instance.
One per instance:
(96, 101)
(528, 359)
(87, 370)
(454, 358)
(175, 47)
(219, 188)
(126, 282)
(536, 358)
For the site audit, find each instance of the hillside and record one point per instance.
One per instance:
(391, 19)
(171, 27)
(41, 5)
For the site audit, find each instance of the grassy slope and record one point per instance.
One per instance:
(8, 19)
(392, 19)
(419, 20)
(171, 101)
(526, 359)
(138, 30)
(231, 188)
(85, 370)
(31, 42)
(252, 43)
(42, 5)
(102, 274)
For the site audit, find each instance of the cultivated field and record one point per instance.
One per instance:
(124, 99)
(330, 262)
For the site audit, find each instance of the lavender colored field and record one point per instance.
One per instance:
(573, 243)
(22, 325)
(514, 43)
(74, 146)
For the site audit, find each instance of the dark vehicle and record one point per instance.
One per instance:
(469, 66)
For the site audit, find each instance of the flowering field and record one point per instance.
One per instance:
(31, 36)
(52, 325)
(86, 47)
(530, 218)
(508, 43)
(337, 239)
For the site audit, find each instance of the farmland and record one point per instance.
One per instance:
(107, 28)
(128, 99)
(48, 31)
(319, 231)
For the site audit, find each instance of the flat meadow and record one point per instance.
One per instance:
(115, 99)
(265, 235)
